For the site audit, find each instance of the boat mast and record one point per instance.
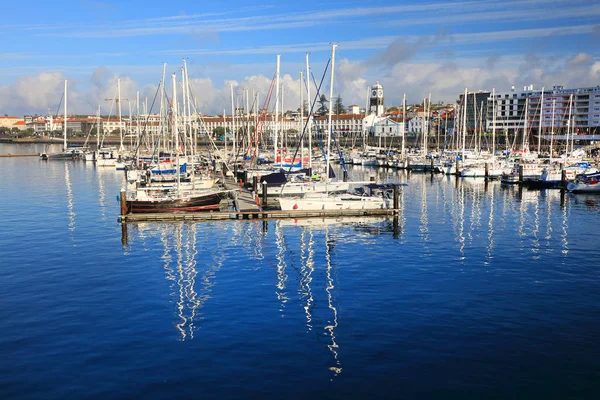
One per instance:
(403, 122)
(309, 117)
(175, 127)
(248, 115)
(120, 119)
(130, 124)
(162, 110)
(183, 110)
(525, 124)
(98, 129)
(552, 129)
(427, 121)
(65, 121)
(139, 132)
(301, 125)
(188, 109)
(569, 123)
(365, 122)
(494, 122)
(424, 126)
(464, 135)
(275, 138)
(541, 121)
(475, 141)
(572, 124)
(333, 46)
(283, 132)
(232, 121)
(480, 126)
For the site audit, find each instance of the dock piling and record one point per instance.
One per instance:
(123, 201)
(396, 199)
(264, 194)
(520, 174)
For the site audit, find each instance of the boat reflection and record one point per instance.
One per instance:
(310, 297)
(70, 202)
(180, 264)
(333, 321)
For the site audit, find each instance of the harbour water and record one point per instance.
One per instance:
(484, 291)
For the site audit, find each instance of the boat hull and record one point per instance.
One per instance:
(332, 203)
(207, 202)
(584, 187)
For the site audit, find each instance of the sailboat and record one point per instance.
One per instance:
(326, 201)
(172, 198)
(66, 153)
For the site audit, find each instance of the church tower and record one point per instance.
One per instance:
(376, 100)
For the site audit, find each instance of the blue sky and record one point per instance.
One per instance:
(410, 46)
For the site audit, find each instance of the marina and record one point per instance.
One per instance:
(471, 275)
(318, 200)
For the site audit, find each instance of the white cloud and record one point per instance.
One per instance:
(443, 78)
(416, 14)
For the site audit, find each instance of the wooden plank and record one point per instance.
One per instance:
(272, 214)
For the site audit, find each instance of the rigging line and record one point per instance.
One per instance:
(62, 97)
(145, 128)
(201, 123)
(259, 123)
(332, 134)
(308, 119)
(317, 129)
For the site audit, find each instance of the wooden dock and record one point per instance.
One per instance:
(248, 206)
(242, 198)
(271, 214)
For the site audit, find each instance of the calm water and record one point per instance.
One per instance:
(483, 292)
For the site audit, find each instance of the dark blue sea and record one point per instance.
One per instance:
(481, 291)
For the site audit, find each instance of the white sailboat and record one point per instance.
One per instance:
(327, 201)
(66, 153)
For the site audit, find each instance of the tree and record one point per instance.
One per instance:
(338, 107)
(219, 132)
(304, 107)
(323, 108)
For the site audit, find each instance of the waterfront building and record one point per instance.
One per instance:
(476, 109)
(8, 121)
(416, 125)
(376, 100)
(388, 127)
(584, 105)
(20, 125)
(344, 125)
(353, 109)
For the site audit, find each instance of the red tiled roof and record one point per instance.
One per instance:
(20, 123)
(341, 117)
(7, 117)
